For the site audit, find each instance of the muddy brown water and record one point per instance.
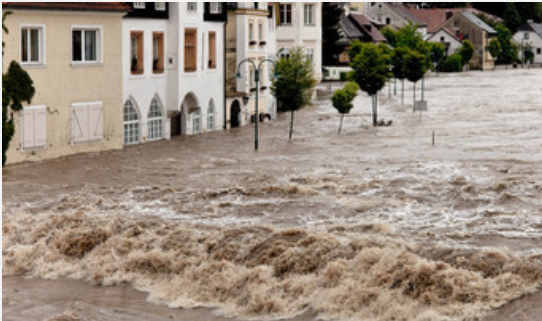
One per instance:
(372, 224)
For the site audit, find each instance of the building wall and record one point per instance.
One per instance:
(142, 88)
(190, 91)
(300, 35)
(442, 37)
(59, 83)
(481, 58)
(534, 40)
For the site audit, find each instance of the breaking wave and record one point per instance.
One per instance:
(342, 272)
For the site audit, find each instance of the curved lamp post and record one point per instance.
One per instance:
(257, 79)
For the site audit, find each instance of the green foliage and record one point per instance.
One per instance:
(390, 35)
(8, 128)
(494, 47)
(343, 75)
(330, 32)
(408, 36)
(371, 67)
(511, 17)
(416, 66)
(437, 53)
(398, 60)
(466, 51)
(509, 51)
(528, 54)
(4, 28)
(295, 82)
(453, 63)
(342, 99)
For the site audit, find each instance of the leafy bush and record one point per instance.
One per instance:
(342, 99)
(466, 51)
(453, 63)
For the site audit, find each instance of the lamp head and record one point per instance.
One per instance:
(238, 75)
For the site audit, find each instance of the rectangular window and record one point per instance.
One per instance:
(538, 51)
(190, 47)
(32, 45)
(192, 6)
(157, 52)
(252, 79)
(309, 54)
(160, 6)
(216, 7)
(137, 58)
(260, 32)
(286, 14)
(34, 127)
(309, 14)
(139, 5)
(87, 122)
(526, 36)
(251, 31)
(212, 49)
(86, 45)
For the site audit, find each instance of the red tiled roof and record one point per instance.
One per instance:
(436, 17)
(368, 27)
(69, 6)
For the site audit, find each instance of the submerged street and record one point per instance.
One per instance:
(372, 224)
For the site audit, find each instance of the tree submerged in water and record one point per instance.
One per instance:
(294, 85)
(342, 100)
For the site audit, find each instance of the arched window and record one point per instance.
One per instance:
(210, 116)
(154, 121)
(196, 122)
(131, 123)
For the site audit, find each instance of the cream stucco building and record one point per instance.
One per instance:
(73, 53)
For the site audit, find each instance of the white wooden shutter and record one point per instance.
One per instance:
(28, 128)
(80, 123)
(96, 121)
(40, 127)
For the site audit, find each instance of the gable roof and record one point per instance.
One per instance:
(402, 11)
(477, 21)
(69, 6)
(534, 27)
(434, 17)
(357, 25)
(446, 31)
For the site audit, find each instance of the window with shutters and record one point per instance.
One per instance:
(285, 14)
(87, 122)
(154, 121)
(32, 45)
(86, 45)
(190, 46)
(137, 56)
(131, 123)
(158, 52)
(212, 50)
(34, 127)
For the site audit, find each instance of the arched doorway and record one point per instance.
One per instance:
(189, 106)
(235, 114)
(131, 123)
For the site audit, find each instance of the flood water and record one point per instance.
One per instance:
(372, 224)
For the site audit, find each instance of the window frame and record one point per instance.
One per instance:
(140, 51)
(41, 46)
(161, 36)
(99, 45)
(131, 122)
(196, 119)
(158, 6)
(155, 120)
(283, 13)
(211, 116)
(212, 59)
(215, 7)
(191, 7)
(139, 5)
(194, 31)
(308, 14)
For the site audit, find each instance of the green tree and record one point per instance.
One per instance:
(371, 68)
(294, 85)
(452, 63)
(437, 54)
(528, 54)
(399, 62)
(416, 67)
(330, 32)
(390, 35)
(4, 28)
(511, 17)
(494, 48)
(342, 100)
(466, 51)
(509, 51)
(17, 87)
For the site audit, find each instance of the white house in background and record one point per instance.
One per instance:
(531, 34)
(195, 67)
(447, 38)
(144, 37)
(299, 24)
(394, 14)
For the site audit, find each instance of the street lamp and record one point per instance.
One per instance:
(257, 79)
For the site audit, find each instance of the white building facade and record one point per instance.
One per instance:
(448, 39)
(299, 24)
(530, 34)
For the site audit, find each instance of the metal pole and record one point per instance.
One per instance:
(394, 86)
(423, 78)
(257, 119)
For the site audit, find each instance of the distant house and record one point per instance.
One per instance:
(73, 53)
(394, 14)
(444, 36)
(356, 26)
(530, 34)
(435, 17)
(467, 26)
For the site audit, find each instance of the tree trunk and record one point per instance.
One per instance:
(341, 124)
(375, 120)
(414, 103)
(292, 125)
(403, 92)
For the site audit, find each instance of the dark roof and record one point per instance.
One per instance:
(477, 21)
(534, 27)
(68, 6)
(358, 26)
(368, 27)
(401, 10)
(434, 18)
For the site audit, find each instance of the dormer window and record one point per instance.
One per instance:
(216, 7)
(160, 6)
(192, 6)
(139, 5)
(526, 36)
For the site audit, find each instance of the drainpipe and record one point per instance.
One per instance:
(224, 67)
